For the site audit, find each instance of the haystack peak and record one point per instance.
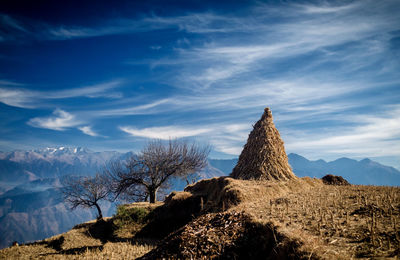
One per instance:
(263, 156)
(267, 113)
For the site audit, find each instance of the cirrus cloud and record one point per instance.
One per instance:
(88, 130)
(165, 133)
(60, 121)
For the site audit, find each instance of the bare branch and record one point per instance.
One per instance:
(85, 192)
(155, 165)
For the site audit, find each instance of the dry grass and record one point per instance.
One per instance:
(263, 157)
(79, 243)
(331, 222)
(110, 250)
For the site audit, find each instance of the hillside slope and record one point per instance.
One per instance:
(35, 210)
(221, 217)
(27, 215)
(15, 208)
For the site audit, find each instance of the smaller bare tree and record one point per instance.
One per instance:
(147, 171)
(85, 192)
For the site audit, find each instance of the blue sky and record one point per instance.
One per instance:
(110, 76)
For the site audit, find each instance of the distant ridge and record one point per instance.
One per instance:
(21, 166)
(366, 171)
(263, 156)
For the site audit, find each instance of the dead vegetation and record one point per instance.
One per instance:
(226, 235)
(330, 179)
(263, 157)
(91, 240)
(222, 217)
(337, 221)
(307, 218)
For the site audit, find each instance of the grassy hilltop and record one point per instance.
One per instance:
(223, 217)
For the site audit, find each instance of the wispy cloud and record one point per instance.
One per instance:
(141, 109)
(194, 23)
(257, 19)
(88, 130)
(164, 133)
(10, 83)
(91, 91)
(12, 28)
(374, 135)
(288, 94)
(328, 70)
(60, 120)
(226, 138)
(11, 95)
(18, 97)
(325, 8)
(7, 20)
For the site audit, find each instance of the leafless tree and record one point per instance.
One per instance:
(86, 192)
(145, 172)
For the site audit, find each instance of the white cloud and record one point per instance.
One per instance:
(134, 110)
(311, 28)
(226, 147)
(360, 136)
(377, 135)
(248, 61)
(90, 91)
(289, 93)
(325, 8)
(60, 121)
(88, 130)
(227, 138)
(25, 98)
(17, 97)
(166, 132)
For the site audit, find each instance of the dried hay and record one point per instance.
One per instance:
(334, 180)
(217, 193)
(227, 235)
(263, 157)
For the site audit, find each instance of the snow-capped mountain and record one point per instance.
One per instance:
(20, 166)
(60, 154)
(59, 151)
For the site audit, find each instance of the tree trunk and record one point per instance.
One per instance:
(99, 216)
(152, 194)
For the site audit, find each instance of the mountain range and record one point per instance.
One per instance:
(31, 206)
(364, 172)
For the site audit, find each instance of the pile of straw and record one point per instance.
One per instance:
(263, 157)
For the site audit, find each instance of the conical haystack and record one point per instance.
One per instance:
(263, 156)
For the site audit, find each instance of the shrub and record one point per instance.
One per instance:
(128, 216)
